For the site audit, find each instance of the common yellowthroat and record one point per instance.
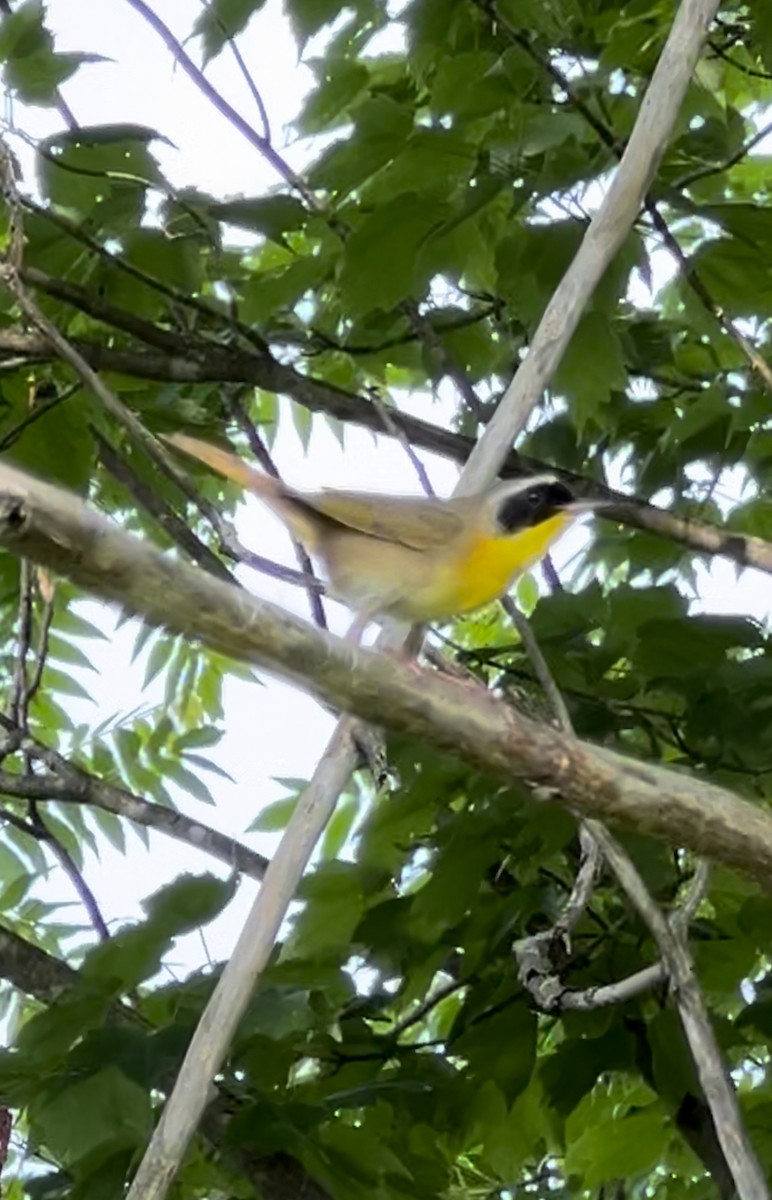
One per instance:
(414, 558)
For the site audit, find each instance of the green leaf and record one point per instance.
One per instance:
(274, 817)
(623, 1148)
(94, 1118)
(189, 781)
(222, 20)
(733, 271)
(308, 16)
(592, 368)
(381, 262)
(199, 738)
(59, 446)
(271, 215)
(103, 169)
(334, 895)
(762, 31)
(512, 1025)
(188, 902)
(32, 69)
(753, 517)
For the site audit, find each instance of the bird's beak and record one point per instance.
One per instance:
(577, 507)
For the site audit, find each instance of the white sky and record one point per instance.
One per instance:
(271, 730)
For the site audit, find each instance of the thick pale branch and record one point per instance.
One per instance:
(54, 528)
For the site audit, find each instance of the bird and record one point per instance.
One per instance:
(411, 558)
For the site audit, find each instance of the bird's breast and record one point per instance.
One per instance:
(491, 562)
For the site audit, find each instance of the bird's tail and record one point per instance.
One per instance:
(228, 464)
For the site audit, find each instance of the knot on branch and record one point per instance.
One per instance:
(540, 960)
(13, 514)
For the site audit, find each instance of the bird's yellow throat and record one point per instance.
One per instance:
(490, 564)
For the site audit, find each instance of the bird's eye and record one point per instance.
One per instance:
(533, 498)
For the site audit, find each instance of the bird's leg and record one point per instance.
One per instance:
(357, 628)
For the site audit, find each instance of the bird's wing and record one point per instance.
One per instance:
(422, 523)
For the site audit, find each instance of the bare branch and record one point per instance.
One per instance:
(42, 833)
(68, 783)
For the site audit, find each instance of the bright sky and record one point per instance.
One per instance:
(272, 730)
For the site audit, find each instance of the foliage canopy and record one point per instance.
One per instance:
(392, 1050)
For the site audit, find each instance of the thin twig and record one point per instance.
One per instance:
(714, 1079)
(698, 287)
(145, 497)
(35, 828)
(14, 432)
(539, 664)
(395, 432)
(18, 704)
(195, 304)
(263, 456)
(444, 359)
(258, 99)
(687, 180)
(41, 653)
(219, 102)
(71, 869)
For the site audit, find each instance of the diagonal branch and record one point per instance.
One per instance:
(260, 143)
(227, 365)
(68, 783)
(53, 527)
(604, 237)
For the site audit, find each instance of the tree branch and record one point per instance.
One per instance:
(228, 365)
(715, 1080)
(535, 955)
(68, 783)
(55, 528)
